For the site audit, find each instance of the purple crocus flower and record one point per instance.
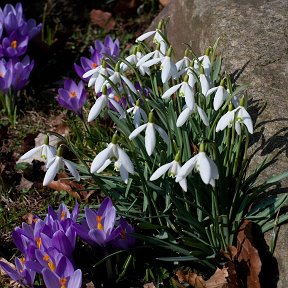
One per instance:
(14, 45)
(21, 72)
(5, 75)
(88, 64)
(72, 97)
(21, 274)
(98, 227)
(63, 277)
(108, 47)
(125, 240)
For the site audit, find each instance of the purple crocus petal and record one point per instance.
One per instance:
(34, 266)
(63, 212)
(62, 243)
(106, 205)
(75, 212)
(91, 218)
(52, 213)
(125, 240)
(10, 271)
(98, 236)
(76, 280)
(71, 235)
(82, 231)
(50, 279)
(19, 241)
(64, 268)
(109, 221)
(80, 71)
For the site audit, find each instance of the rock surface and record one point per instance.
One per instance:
(253, 37)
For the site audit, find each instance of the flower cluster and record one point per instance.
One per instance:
(73, 96)
(15, 34)
(47, 245)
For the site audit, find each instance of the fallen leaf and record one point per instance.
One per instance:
(248, 256)
(90, 285)
(24, 184)
(149, 285)
(102, 19)
(218, 279)
(29, 217)
(190, 277)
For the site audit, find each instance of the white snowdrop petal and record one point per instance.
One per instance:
(118, 107)
(219, 98)
(129, 84)
(189, 96)
(72, 169)
(145, 58)
(203, 116)
(90, 72)
(137, 117)
(204, 167)
(187, 168)
(238, 127)
(100, 159)
(104, 166)
(160, 171)
(52, 171)
(137, 131)
(145, 36)
(183, 117)
(150, 63)
(99, 82)
(51, 152)
(171, 91)
(97, 107)
(125, 160)
(246, 118)
(212, 90)
(225, 120)
(183, 184)
(150, 138)
(31, 152)
(162, 133)
(124, 174)
(204, 84)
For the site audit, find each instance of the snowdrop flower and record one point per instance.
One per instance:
(185, 90)
(97, 76)
(187, 112)
(205, 86)
(116, 78)
(150, 137)
(239, 115)
(132, 59)
(102, 102)
(205, 63)
(57, 163)
(47, 151)
(173, 169)
(157, 39)
(220, 96)
(202, 163)
(108, 155)
(138, 113)
(183, 63)
(168, 67)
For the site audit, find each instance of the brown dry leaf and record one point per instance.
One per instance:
(66, 185)
(149, 285)
(90, 285)
(164, 2)
(102, 19)
(28, 218)
(248, 255)
(24, 184)
(191, 278)
(218, 279)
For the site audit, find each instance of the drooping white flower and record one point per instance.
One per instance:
(150, 135)
(157, 39)
(205, 86)
(113, 153)
(204, 61)
(187, 112)
(47, 151)
(185, 91)
(57, 163)
(220, 97)
(168, 67)
(239, 115)
(204, 165)
(183, 63)
(173, 169)
(98, 75)
(138, 114)
(102, 102)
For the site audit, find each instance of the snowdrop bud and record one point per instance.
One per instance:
(222, 82)
(137, 103)
(202, 147)
(103, 63)
(151, 117)
(60, 151)
(242, 102)
(230, 108)
(186, 78)
(186, 53)
(117, 67)
(46, 139)
(160, 24)
(104, 90)
(207, 51)
(178, 157)
(169, 52)
(114, 138)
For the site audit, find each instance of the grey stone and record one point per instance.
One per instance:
(253, 34)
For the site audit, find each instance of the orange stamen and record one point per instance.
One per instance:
(63, 215)
(94, 65)
(99, 224)
(73, 94)
(46, 257)
(63, 282)
(51, 266)
(14, 44)
(38, 242)
(22, 260)
(117, 98)
(123, 234)
(1, 75)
